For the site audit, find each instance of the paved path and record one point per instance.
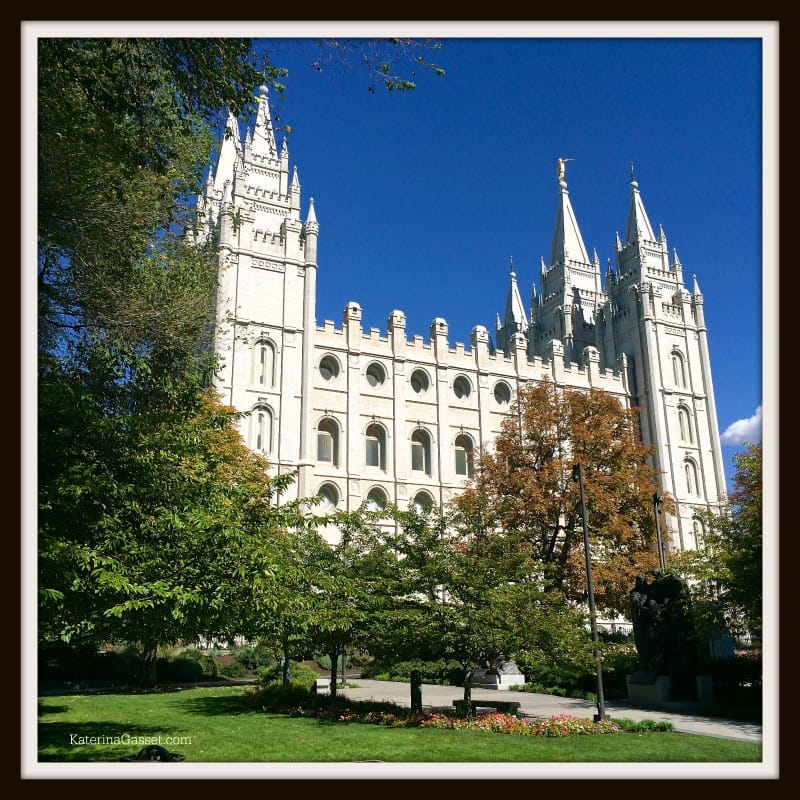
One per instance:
(545, 705)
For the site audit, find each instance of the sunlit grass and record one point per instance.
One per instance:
(212, 725)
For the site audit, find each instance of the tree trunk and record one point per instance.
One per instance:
(149, 665)
(334, 655)
(468, 691)
(285, 669)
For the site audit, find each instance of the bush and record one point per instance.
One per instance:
(208, 663)
(644, 726)
(275, 697)
(739, 671)
(253, 657)
(324, 660)
(179, 670)
(579, 680)
(441, 672)
(300, 675)
(60, 663)
(233, 670)
(189, 666)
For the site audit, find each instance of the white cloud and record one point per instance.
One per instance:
(743, 431)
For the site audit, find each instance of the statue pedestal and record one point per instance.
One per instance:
(501, 677)
(649, 689)
(705, 689)
(499, 682)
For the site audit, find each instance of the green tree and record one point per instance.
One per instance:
(726, 570)
(156, 536)
(470, 594)
(281, 614)
(122, 141)
(353, 584)
(523, 488)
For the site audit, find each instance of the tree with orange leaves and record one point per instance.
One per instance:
(523, 491)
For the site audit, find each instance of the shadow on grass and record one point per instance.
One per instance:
(44, 710)
(216, 706)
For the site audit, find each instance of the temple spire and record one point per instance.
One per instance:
(638, 227)
(263, 143)
(567, 240)
(516, 320)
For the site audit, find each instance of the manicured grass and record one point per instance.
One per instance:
(213, 725)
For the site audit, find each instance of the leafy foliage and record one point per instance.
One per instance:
(384, 61)
(122, 142)
(158, 532)
(727, 570)
(523, 492)
(466, 595)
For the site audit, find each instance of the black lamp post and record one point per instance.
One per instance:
(577, 475)
(656, 503)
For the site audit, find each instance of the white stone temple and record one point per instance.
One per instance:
(375, 416)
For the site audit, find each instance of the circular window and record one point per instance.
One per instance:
(376, 374)
(502, 394)
(328, 497)
(329, 368)
(419, 381)
(461, 387)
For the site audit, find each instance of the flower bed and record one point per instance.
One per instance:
(561, 725)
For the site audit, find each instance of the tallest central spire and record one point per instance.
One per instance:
(567, 240)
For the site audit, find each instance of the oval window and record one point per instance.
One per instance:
(419, 381)
(329, 368)
(461, 387)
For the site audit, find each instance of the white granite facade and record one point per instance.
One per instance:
(373, 415)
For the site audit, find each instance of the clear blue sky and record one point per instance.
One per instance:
(423, 197)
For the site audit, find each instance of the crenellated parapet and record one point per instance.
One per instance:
(393, 344)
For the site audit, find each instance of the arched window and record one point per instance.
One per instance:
(264, 363)
(328, 497)
(376, 499)
(419, 381)
(421, 451)
(463, 449)
(692, 486)
(678, 369)
(462, 387)
(502, 393)
(423, 503)
(375, 447)
(376, 374)
(685, 421)
(328, 442)
(261, 429)
(329, 368)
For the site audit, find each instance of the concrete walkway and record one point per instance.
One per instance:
(545, 705)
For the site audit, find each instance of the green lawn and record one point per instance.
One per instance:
(212, 725)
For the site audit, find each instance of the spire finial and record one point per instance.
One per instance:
(562, 162)
(634, 182)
